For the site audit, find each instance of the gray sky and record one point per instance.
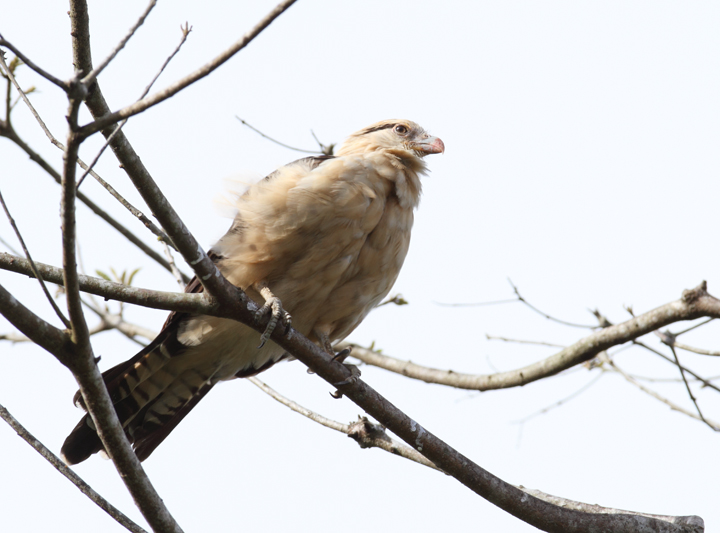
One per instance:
(581, 162)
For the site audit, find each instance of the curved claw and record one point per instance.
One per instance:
(354, 375)
(273, 305)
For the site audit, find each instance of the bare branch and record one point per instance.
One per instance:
(657, 396)
(562, 401)
(276, 141)
(372, 435)
(688, 524)
(7, 72)
(174, 269)
(52, 79)
(694, 326)
(694, 303)
(185, 32)
(367, 434)
(549, 317)
(50, 299)
(54, 460)
(169, 301)
(478, 304)
(138, 107)
(326, 149)
(12, 135)
(532, 510)
(79, 329)
(689, 390)
(149, 224)
(519, 341)
(8, 246)
(109, 321)
(34, 156)
(397, 300)
(704, 381)
(669, 339)
(87, 80)
(45, 335)
(700, 351)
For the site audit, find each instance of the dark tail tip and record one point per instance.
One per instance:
(82, 442)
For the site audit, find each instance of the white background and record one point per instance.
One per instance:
(581, 163)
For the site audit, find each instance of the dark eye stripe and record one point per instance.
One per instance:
(378, 128)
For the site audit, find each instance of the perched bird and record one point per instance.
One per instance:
(321, 239)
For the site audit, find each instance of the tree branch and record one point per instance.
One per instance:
(106, 119)
(694, 304)
(61, 467)
(49, 298)
(6, 130)
(532, 510)
(364, 432)
(92, 76)
(83, 366)
(185, 32)
(675, 407)
(52, 79)
(168, 301)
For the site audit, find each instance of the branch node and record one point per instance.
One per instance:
(690, 296)
(365, 433)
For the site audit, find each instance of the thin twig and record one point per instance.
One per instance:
(669, 380)
(185, 32)
(110, 321)
(668, 338)
(9, 246)
(689, 390)
(34, 156)
(54, 460)
(326, 149)
(173, 268)
(368, 435)
(397, 300)
(704, 381)
(101, 123)
(149, 224)
(478, 304)
(519, 341)
(50, 299)
(92, 76)
(700, 351)
(657, 396)
(276, 141)
(549, 317)
(562, 401)
(694, 303)
(694, 326)
(22, 94)
(136, 212)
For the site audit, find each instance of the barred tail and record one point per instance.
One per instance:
(152, 393)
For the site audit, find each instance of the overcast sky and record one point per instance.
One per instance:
(581, 162)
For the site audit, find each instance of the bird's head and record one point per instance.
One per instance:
(402, 137)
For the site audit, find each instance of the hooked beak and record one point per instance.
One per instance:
(429, 145)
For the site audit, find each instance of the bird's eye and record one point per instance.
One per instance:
(401, 130)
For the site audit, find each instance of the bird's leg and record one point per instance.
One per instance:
(340, 358)
(273, 305)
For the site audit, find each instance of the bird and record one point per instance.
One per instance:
(319, 242)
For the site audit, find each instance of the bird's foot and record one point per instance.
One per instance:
(272, 305)
(354, 371)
